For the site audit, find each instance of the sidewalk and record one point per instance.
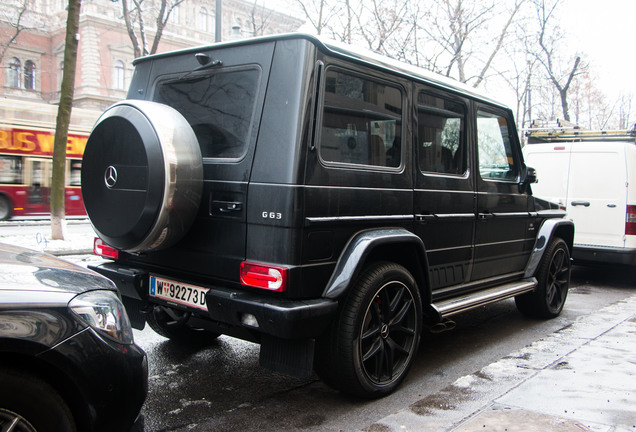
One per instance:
(582, 378)
(74, 243)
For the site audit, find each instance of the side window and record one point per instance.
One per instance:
(496, 160)
(441, 136)
(361, 121)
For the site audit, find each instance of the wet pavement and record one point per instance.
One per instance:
(581, 378)
(574, 373)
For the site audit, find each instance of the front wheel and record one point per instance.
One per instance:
(371, 346)
(29, 404)
(553, 278)
(172, 324)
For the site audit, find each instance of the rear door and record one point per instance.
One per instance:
(597, 193)
(444, 201)
(223, 104)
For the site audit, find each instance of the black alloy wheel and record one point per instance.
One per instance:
(373, 343)
(553, 279)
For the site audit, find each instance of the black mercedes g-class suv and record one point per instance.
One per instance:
(325, 203)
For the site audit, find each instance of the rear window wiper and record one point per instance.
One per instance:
(205, 62)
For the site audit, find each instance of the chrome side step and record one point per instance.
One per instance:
(453, 306)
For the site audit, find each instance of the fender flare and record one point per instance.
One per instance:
(549, 228)
(354, 254)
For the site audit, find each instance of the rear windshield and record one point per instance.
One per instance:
(218, 105)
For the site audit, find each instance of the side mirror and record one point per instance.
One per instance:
(528, 176)
(531, 175)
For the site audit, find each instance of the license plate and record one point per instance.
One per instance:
(178, 292)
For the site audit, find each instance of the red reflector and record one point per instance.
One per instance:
(630, 220)
(102, 249)
(264, 276)
(559, 147)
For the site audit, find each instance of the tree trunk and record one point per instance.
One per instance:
(58, 181)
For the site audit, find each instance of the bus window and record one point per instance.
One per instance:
(75, 176)
(10, 169)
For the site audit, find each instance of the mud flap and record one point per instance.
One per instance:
(289, 356)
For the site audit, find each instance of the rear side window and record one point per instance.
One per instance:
(361, 121)
(496, 160)
(219, 106)
(441, 135)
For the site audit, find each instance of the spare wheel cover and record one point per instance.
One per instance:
(142, 176)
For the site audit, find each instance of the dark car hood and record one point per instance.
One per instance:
(27, 270)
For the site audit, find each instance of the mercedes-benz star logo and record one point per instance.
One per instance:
(110, 177)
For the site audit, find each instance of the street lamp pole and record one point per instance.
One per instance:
(218, 15)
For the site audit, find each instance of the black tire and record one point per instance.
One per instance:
(5, 208)
(142, 176)
(370, 347)
(33, 403)
(553, 277)
(172, 324)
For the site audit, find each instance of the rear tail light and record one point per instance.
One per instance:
(630, 220)
(264, 276)
(102, 249)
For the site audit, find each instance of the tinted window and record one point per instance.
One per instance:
(496, 159)
(218, 106)
(441, 136)
(361, 122)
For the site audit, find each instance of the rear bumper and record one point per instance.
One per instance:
(278, 317)
(592, 254)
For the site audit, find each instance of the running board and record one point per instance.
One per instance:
(453, 306)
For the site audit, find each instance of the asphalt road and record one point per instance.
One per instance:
(221, 387)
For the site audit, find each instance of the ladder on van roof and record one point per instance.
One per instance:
(567, 132)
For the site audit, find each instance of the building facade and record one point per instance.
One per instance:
(32, 34)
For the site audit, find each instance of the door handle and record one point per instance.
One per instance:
(227, 206)
(611, 205)
(484, 216)
(581, 203)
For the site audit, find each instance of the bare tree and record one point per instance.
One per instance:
(457, 35)
(549, 40)
(58, 180)
(384, 25)
(259, 18)
(319, 13)
(135, 22)
(16, 22)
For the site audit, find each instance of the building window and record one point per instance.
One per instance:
(29, 75)
(203, 19)
(119, 81)
(14, 73)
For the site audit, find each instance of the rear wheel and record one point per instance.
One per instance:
(553, 278)
(172, 324)
(371, 346)
(32, 405)
(5, 208)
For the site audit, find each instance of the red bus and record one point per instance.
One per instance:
(26, 149)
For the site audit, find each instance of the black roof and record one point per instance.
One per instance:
(351, 53)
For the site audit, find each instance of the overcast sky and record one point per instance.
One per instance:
(606, 31)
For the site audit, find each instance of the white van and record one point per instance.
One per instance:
(593, 176)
